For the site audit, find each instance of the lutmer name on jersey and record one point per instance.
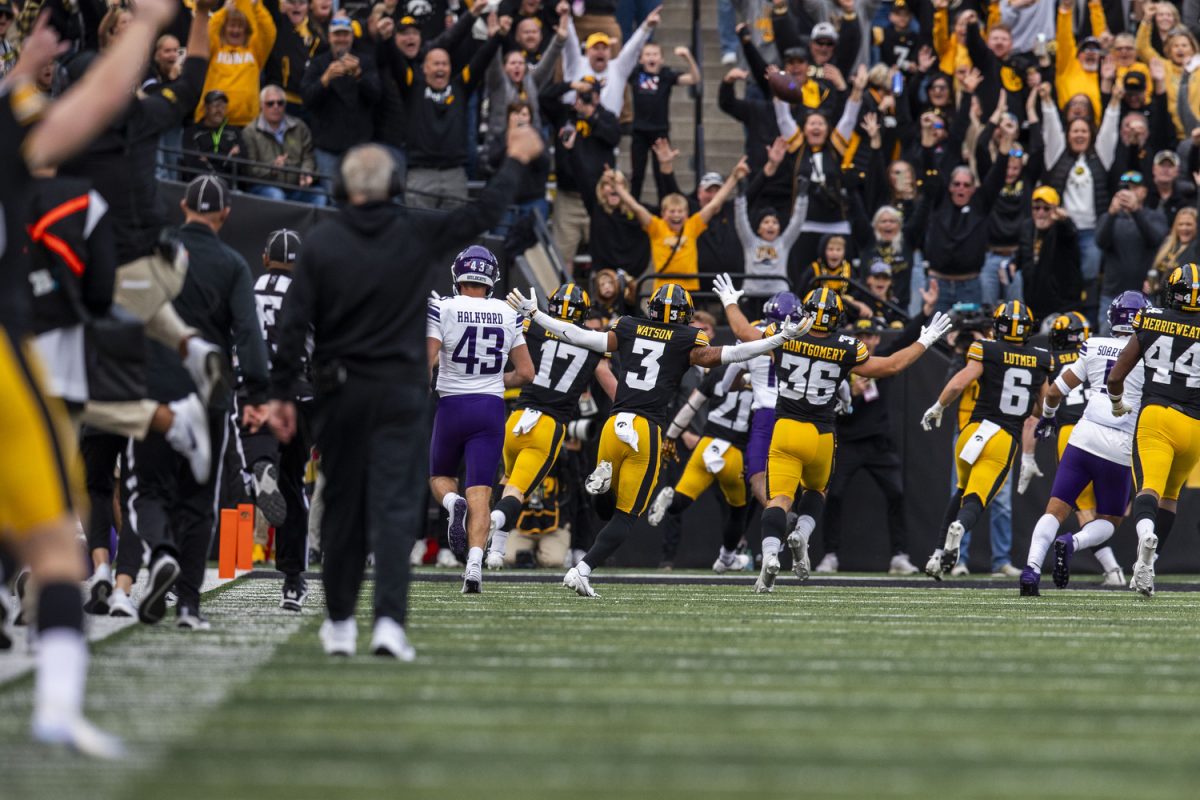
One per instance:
(479, 318)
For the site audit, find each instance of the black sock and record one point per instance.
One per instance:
(606, 506)
(679, 504)
(811, 505)
(60, 605)
(1164, 521)
(610, 539)
(735, 527)
(774, 523)
(1145, 506)
(510, 507)
(969, 513)
(951, 514)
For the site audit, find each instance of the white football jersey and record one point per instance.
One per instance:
(477, 334)
(1094, 433)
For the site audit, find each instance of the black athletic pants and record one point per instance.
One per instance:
(291, 538)
(101, 453)
(173, 513)
(373, 436)
(877, 455)
(641, 149)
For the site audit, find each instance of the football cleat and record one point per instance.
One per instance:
(1064, 548)
(417, 557)
(209, 369)
(163, 573)
(828, 565)
(456, 530)
(579, 583)
(799, 547)
(658, 509)
(447, 559)
(900, 565)
(494, 560)
(267, 495)
(933, 567)
(190, 619)
(954, 535)
(8, 613)
(119, 605)
(737, 563)
(1143, 579)
(338, 638)
(389, 640)
(21, 587)
(81, 736)
(472, 579)
(1006, 571)
(1029, 582)
(295, 590)
(959, 571)
(1114, 577)
(100, 589)
(766, 576)
(601, 478)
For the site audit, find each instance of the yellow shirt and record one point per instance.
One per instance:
(235, 70)
(1070, 77)
(686, 259)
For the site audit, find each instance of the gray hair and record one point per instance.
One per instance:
(367, 173)
(963, 169)
(271, 89)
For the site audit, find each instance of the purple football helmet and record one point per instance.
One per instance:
(780, 306)
(1124, 308)
(476, 264)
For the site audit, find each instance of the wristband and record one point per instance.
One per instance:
(1061, 385)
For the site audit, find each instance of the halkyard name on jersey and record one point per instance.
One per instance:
(479, 318)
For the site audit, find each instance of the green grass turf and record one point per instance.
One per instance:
(660, 692)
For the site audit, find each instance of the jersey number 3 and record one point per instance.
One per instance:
(646, 376)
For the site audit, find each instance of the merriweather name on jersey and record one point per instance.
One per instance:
(477, 334)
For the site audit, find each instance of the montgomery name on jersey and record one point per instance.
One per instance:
(477, 334)
(808, 371)
(1011, 382)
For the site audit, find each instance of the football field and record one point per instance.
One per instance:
(651, 691)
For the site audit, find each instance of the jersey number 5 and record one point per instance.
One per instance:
(646, 376)
(490, 361)
(1158, 358)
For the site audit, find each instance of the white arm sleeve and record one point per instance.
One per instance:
(783, 118)
(748, 350)
(1053, 139)
(572, 56)
(1106, 137)
(596, 341)
(684, 416)
(845, 126)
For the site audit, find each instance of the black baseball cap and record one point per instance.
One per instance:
(206, 194)
(214, 95)
(1091, 43)
(7, 8)
(796, 53)
(1135, 79)
(283, 246)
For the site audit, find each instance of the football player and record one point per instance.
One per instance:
(469, 337)
(1094, 447)
(809, 370)
(534, 433)
(654, 352)
(1166, 445)
(1012, 376)
(719, 456)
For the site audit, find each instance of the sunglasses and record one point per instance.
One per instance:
(1016, 152)
(272, 103)
(1134, 178)
(824, 42)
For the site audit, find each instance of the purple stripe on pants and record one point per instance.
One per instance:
(469, 426)
(761, 426)
(1110, 481)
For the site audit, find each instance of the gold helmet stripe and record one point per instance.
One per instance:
(668, 303)
(1195, 279)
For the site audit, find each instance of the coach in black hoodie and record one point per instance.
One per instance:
(362, 283)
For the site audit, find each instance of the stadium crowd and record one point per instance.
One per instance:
(913, 170)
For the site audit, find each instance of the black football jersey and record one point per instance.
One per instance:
(1070, 410)
(728, 411)
(809, 370)
(653, 358)
(1170, 345)
(564, 371)
(1011, 382)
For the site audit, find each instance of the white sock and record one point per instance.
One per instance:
(474, 556)
(805, 525)
(771, 546)
(727, 555)
(449, 500)
(1107, 559)
(1145, 527)
(103, 572)
(937, 552)
(62, 660)
(1146, 535)
(1094, 534)
(499, 535)
(583, 568)
(1043, 536)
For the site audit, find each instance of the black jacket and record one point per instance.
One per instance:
(120, 162)
(340, 113)
(579, 168)
(294, 48)
(362, 283)
(206, 150)
(869, 418)
(1052, 278)
(218, 300)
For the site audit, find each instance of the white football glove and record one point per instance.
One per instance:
(525, 306)
(723, 286)
(794, 329)
(435, 296)
(1119, 407)
(932, 418)
(845, 404)
(936, 329)
(1029, 469)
